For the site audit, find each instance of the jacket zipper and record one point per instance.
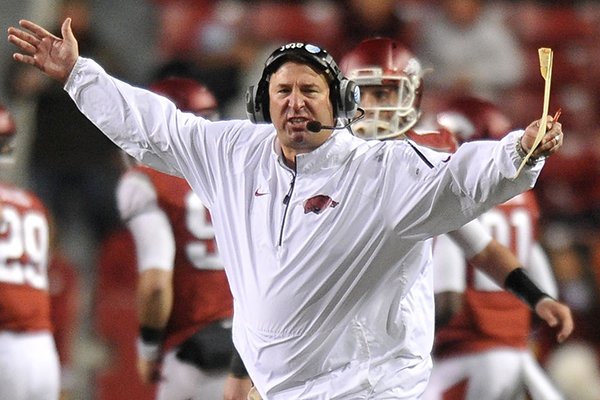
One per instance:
(286, 202)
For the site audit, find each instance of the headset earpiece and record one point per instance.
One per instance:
(349, 99)
(252, 110)
(257, 102)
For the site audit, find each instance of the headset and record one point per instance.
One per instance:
(344, 93)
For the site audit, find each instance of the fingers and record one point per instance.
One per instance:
(66, 31)
(553, 139)
(25, 41)
(557, 315)
(23, 45)
(18, 34)
(551, 121)
(24, 59)
(567, 324)
(36, 29)
(34, 37)
(30, 41)
(565, 331)
(563, 334)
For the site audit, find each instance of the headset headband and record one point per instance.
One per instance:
(311, 54)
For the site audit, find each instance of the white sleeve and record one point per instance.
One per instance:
(480, 175)
(108, 103)
(150, 128)
(541, 271)
(449, 266)
(472, 238)
(147, 222)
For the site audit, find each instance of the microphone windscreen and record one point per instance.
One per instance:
(314, 126)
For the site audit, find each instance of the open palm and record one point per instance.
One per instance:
(52, 55)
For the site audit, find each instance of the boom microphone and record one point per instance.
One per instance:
(316, 126)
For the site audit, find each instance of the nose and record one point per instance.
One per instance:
(296, 99)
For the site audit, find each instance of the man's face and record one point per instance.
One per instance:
(298, 94)
(380, 103)
(378, 96)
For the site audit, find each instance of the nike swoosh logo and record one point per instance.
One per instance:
(258, 194)
(446, 160)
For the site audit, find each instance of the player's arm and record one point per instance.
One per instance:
(556, 314)
(238, 383)
(450, 255)
(155, 251)
(155, 300)
(496, 261)
(500, 264)
(541, 270)
(449, 268)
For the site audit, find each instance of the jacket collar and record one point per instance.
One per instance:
(330, 154)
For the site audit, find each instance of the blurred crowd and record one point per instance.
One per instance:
(484, 48)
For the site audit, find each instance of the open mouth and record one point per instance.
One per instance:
(297, 123)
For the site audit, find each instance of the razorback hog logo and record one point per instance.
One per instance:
(318, 204)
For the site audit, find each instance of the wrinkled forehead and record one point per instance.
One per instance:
(292, 72)
(290, 62)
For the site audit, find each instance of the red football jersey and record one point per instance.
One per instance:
(201, 291)
(115, 321)
(65, 299)
(490, 316)
(24, 247)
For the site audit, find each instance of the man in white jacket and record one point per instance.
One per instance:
(391, 81)
(314, 227)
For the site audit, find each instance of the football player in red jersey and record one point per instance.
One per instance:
(28, 357)
(65, 304)
(390, 79)
(184, 303)
(476, 355)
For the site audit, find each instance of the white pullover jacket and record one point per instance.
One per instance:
(327, 264)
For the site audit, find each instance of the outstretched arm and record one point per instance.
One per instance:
(50, 54)
(502, 265)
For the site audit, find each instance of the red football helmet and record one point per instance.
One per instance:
(472, 118)
(189, 95)
(8, 130)
(390, 78)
